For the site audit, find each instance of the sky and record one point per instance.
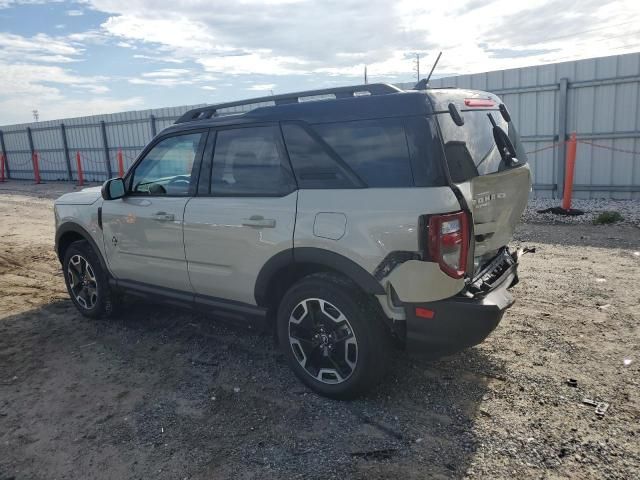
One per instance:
(85, 57)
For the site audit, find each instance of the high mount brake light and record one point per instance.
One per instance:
(448, 242)
(479, 102)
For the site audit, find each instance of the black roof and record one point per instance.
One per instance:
(357, 102)
(337, 104)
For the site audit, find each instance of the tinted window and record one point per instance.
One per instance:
(470, 149)
(166, 169)
(250, 161)
(312, 164)
(375, 149)
(426, 152)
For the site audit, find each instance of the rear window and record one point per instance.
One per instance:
(470, 149)
(376, 150)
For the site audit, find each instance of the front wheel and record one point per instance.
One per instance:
(333, 336)
(87, 282)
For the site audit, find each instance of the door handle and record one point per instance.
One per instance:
(164, 217)
(259, 221)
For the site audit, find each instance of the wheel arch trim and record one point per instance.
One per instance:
(71, 227)
(318, 256)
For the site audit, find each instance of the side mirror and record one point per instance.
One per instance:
(113, 189)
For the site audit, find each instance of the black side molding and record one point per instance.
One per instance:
(236, 312)
(317, 256)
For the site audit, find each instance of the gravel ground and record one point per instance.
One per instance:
(629, 209)
(162, 393)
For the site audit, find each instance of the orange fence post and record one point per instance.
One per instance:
(36, 167)
(120, 163)
(80, 174)
(1, 167)
(570, 167)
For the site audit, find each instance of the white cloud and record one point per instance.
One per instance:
(75, 13)
(54, 90)
(167, 72)
(40, 47)
(262, 87)
(17, 110)
(37, 79)
(258, 62)
(160, 82)
(165, 59)
(10, 3)
(285, 37)
(171, 77)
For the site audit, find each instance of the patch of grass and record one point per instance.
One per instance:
(605, 218)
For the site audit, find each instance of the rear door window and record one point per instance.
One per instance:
(250, 162)
(376, 150)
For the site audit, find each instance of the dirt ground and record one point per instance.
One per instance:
(166, 394)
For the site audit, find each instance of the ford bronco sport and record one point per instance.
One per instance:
(369, 219)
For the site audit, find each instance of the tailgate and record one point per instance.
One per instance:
(497, 202)
(495, 186)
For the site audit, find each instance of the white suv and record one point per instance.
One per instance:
(371, 220)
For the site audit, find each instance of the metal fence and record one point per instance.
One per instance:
(597, 98)
(95, 140)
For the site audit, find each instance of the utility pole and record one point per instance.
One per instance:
(417, 66)
(36, 115)
(366, 81)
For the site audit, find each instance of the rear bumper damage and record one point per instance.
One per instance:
(466, 319)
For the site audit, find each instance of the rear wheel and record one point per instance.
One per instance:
(87, 282)
(333, 337)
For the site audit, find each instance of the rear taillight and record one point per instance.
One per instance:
(448, 242)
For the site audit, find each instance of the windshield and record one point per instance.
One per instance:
(471, 150)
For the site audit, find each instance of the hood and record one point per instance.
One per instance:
(86, 196)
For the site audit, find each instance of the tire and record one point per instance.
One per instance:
(333, 336)
(87, 282)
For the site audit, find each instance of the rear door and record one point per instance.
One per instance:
(243, 215)
(495, 190)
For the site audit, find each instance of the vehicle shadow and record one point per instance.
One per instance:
(161, 392)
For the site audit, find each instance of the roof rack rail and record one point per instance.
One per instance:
(209, 111)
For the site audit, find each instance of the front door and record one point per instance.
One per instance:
(143, 230)
(245, 215)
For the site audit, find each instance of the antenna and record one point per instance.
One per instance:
(422, 84)
(36, 115)
(433, 68)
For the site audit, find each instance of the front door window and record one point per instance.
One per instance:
(167, 169)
